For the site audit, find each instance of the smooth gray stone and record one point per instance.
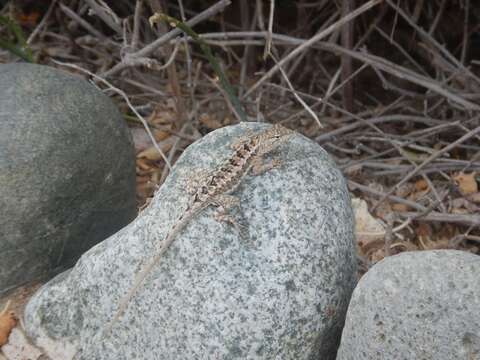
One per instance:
(67, 171)
(278, 291)
(416, 305)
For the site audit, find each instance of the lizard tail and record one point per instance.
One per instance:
(136, 284)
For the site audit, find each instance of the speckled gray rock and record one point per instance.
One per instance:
(67, 171)
(416, 306)
(279, 291)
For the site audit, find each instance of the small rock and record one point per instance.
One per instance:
(416, 305)
(67, 171)
(18, 347)
(278, 289)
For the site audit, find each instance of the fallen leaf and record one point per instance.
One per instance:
(7, 323)
(466, 183)
(405, 245)
(427, 244)
(143, 166)
(447, 232)
(416, 195)
(152, 153)
(383, 210)
(400, 207)
(372, 246)
(28, 19)
(142, 179)
(53, 50)
(424, 230)
(459, 211)
(163, 116)
(209, 121)
(377, 255)
(413, 155)
(421, 184)
(367, 228)
(353, 169)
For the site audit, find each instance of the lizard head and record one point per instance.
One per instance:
(280, 131)
(273, 137)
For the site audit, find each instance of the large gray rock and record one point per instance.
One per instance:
(278, 291)
(67, 171)
(416, 305)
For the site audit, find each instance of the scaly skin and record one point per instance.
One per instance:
(214, 190)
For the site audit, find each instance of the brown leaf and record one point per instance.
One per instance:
(367, 228)
(28, 19)
(424, 230)
(371, 246)
(414, 196)
(7, 323)
(400, 207)
(377, 255)
(428, 244)
(210, 121)
(144, 166)
(421, 184)
(352, 170)
(404, 245)
(163, 114)
(466, 183)
(152, 153)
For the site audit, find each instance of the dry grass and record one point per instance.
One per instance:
(390, 92)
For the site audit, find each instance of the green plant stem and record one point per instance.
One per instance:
(237, 106)
(21, 50)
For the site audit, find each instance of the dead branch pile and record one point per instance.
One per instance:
(389, 88)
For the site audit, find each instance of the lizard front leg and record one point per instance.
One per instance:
(242, 139)
(259, 166)
(224, 203)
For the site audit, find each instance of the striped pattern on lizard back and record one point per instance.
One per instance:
(212, 190)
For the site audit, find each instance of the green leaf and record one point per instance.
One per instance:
(19, 49)
(210, 57)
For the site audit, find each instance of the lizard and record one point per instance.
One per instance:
(215, 189)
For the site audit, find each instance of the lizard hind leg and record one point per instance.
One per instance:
(224, 204)
(259, 166)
